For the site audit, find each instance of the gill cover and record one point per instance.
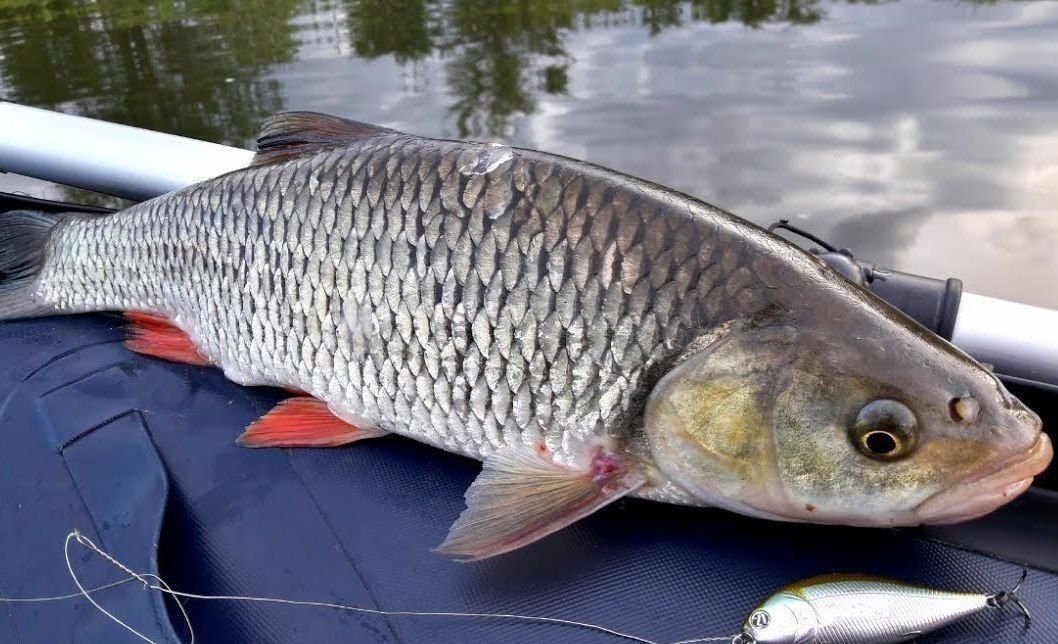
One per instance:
(707, 419)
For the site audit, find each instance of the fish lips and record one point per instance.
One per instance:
(990, 487)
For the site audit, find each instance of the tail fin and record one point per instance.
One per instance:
(23, 239)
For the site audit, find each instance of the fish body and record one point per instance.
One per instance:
(849, 609)
(586, 334)
(467, 309)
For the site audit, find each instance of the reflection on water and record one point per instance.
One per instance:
(201, 67)
(171, 66)
(921, 134)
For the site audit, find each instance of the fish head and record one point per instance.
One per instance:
(794, 420)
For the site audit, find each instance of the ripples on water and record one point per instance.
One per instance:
(922, 134)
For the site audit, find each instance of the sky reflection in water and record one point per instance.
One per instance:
(924, 135)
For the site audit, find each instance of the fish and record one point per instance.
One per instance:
(860, 609)
(586, 334)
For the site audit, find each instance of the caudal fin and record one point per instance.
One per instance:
(23, 238)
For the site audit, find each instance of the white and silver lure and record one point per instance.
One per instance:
(856, 609)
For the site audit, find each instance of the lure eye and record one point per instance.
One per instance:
(885, 430)
(964, 409)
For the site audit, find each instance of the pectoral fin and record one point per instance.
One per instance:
(522, 495)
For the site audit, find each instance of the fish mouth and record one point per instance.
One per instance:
(992, 486)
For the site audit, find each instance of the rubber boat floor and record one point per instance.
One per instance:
(139, 455)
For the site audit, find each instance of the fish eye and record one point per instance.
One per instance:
(964, 409)
(885, 430)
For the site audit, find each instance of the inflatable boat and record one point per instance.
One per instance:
(139, 455)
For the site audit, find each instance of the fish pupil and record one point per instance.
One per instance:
(880, 442)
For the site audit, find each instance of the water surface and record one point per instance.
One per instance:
(924, 135)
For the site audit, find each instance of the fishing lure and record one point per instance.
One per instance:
(857, 609)
(831, 609)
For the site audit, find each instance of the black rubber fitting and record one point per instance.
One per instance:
(931, 302)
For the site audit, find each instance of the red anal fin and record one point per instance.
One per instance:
(156, 336)
(303, 421)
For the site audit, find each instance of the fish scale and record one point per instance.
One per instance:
(464, 309)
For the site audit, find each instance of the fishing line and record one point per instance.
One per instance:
(161, 586)
(55, 598)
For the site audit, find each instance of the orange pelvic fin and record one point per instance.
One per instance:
(303, 421)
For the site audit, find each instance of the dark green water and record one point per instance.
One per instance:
(922, 134)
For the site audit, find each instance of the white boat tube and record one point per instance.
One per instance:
(1020, 340)
(106, 157)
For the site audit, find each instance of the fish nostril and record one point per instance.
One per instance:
(964, 409)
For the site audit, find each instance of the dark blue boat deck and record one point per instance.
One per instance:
(139, 455)
(93, 437)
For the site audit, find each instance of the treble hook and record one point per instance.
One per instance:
(1001, 599)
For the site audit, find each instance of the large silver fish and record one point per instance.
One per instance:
(587, 334)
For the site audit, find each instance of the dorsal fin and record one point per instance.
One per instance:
(290, 134)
